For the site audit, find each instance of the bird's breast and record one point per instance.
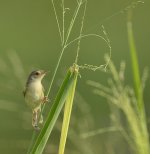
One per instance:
(34, 93)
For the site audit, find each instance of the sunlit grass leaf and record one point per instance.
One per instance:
(67, 114)
(63, 92)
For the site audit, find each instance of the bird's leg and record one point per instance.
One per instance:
(35, 120)
(40, 117)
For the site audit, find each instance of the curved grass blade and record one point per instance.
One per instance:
(43, 136)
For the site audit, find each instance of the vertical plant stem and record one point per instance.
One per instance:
(59, 29)
(135, 65)
(138, 88)
(55, 71)
(63, 20)
(53, 77)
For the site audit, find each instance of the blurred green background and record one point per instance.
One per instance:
(29, 40)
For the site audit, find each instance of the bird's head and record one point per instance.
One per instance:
(36, 75)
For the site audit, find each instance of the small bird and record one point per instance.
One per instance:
(34, 96)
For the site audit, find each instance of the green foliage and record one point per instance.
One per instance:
(122, 98)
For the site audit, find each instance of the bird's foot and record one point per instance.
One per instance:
(45, 99)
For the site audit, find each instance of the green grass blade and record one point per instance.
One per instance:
(135, 65)
(53, 114)
(67, 115)
(144, 140)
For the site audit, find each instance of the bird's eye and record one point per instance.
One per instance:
(37, 73)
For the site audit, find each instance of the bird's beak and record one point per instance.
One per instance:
(45, 72)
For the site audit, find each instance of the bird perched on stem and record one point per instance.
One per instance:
(34, 95)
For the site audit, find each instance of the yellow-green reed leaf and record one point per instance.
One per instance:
(135, 65)
(43, 136)
(67, 113)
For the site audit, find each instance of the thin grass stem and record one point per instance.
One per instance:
(84, 36)
(99, 131)
(57, 20)
(81, 29)
(72, 21)
(63, 21)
